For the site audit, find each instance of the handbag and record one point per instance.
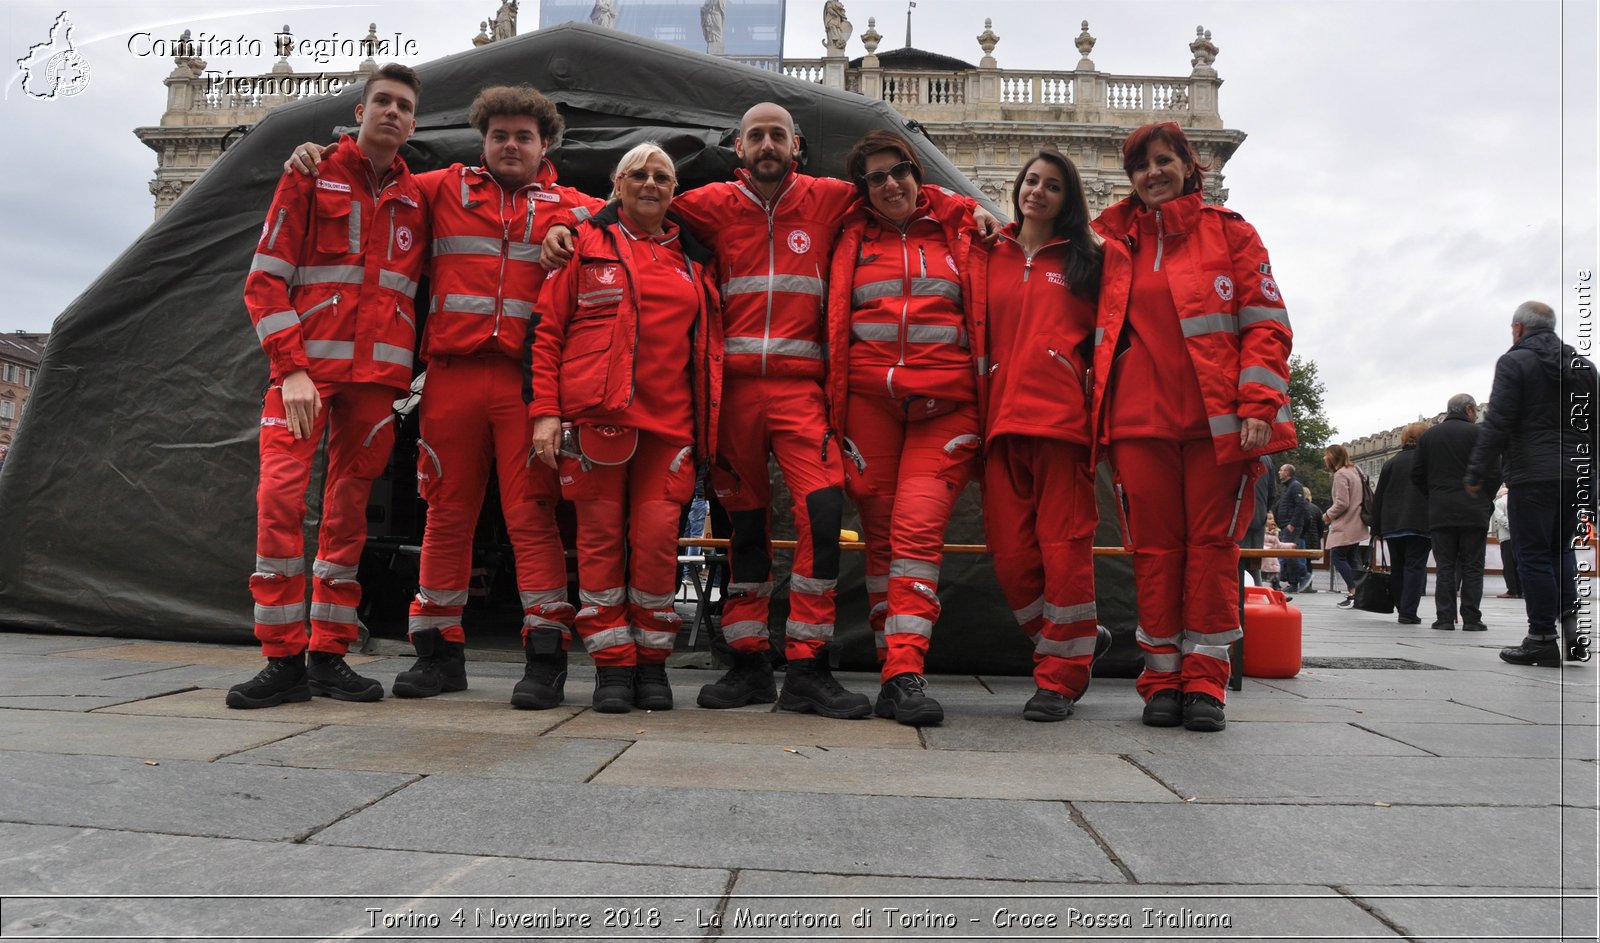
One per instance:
(1375, 593)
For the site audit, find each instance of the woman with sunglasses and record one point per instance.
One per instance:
(1191, 387)
(628, 350)
(1036, 289)
(904, 393)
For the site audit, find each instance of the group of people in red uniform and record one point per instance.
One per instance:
(879, 337)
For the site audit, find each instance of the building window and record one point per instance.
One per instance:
(11, 373)
(8, 411)
(27, 378)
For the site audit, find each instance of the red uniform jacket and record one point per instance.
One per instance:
(1040, 342)
(331, 288)
(1232, 316)
(485, 274)
(583, 350)
(922, 287)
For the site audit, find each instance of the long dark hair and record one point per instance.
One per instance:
(1084, 256)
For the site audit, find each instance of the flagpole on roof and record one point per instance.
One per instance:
(913, 6)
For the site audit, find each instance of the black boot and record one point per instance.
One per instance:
(283, 679)
(1203, 712)
(749, 681)
(440, 666)
(809, 686)
(544, 678)
(613, 689)
(1164, 709)
(329, 676)
(904, 698)
(651, 692)
(1541, 652)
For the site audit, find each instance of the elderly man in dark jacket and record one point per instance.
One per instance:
(1400, 516)
(1458, 521)
(1290, 515)
(1542, 431)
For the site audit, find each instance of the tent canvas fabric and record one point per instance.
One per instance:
(130, 491)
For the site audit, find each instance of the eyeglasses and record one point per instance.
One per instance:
(661, 178)
(899, 171)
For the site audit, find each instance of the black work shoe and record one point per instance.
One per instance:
(1444, 626)
(904, 698)
(283, 679)
(440, 666)
(544, 681)
(1408, 620)
(1474, 627)
(1047, 705)
(1164, 709)
(1202, 712)
(651, 692)
(1542, 652)
(810, 687)
(329, 676)
(749, 681)
(613, 689)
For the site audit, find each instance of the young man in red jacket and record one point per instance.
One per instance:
(487, 224)
(330, 294)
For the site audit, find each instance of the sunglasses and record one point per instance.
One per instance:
(661, 179)
(899, 171)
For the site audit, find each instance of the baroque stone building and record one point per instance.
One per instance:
(985, 118)
(20, 355)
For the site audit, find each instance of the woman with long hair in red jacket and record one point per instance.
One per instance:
(1191, 387)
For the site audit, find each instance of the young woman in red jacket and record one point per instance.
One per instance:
(904, 392)
(1191, 386)
(1036, 289)
(628, 349)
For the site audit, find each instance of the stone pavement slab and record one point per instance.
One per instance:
(243, 658)
(144, 737)
(12, 643)
(742, 725)
(1001, 909)
(473, 710)
(52, 682)
(1431, 846)
(1429, 914)
(431, 750)
(1411, 780)
(721, 828)
(1269, 738)
(1547, 741)
(854, 771)
(96, 862)
(1363, 712)
(180, 797)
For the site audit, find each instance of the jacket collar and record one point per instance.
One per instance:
(353, 159)
(1123, 218)
(611, 215)
(481, 176)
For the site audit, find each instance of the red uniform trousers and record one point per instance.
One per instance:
(359, 419)
(1039, 516)
(473, 419)
(914, 471)
(787, 417)
(1184, 517)
(628, 550)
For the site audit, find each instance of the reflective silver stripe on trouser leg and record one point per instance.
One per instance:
(908, 625)
(811, 586)
(428, 596)
(1213, 644)
(328, 612)
(916, 569)
(281, 615)
(1030, 612)
(1169, 661)
(280, 566)
(323, 570)
(608, 638)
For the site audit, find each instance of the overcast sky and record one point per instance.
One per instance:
(1416, 168)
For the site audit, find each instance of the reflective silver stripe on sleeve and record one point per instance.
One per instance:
(1256, 314)
(272, 240)
(329, 275)
(936, 288)
(272, 265)
(609, 638)
(757, 285)
(524, 252)
(916, 569)
(323, 570)
(273, 323)
(394, 281)
(959, 441)
(877, 583)
(908, 625)
(1211, 638)
(467, 245)
(810, 585)
(355, 228)
(429, 596)
(654, 638)
(646, 600)
(281, 615)
(1227, 424)
(1064, 648)
(543, 597)
(780, 346)
(522, 310)
(468, 304)
(1145, 638)
(1210, 324)
(603, 597)
(872, 291)
(1066, 615)
(749, 628)
(750, 589)
(1163, 661)
(415, 624)
(328, 612)
(1283, 414)
(280, 566)
(805, 630)
(331, 350)
(1263, 376)
(1029, 612)
(389, 353)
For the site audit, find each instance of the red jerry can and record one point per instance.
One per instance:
(1271, 634)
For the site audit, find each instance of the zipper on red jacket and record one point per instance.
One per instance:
(905, 298)
(1161, 239)
(770, 207)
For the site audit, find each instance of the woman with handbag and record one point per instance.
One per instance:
(628, 350)
(1346, 532)
(1400, 516)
